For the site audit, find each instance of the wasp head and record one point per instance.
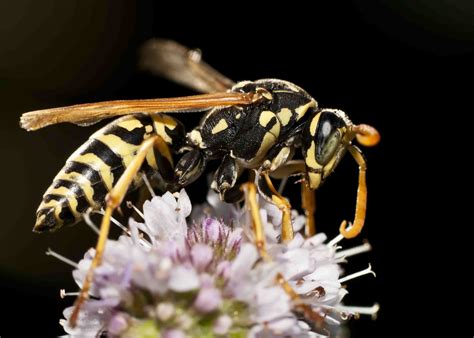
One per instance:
(326, 136)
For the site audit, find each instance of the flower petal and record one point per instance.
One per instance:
(89, 323)
(222, 325)
(117, 324)
(183, 279)
(184, 203)
(201, 255)
(298, 263)
(208, 300)
(244, 261)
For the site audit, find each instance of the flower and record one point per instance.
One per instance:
(174, 279)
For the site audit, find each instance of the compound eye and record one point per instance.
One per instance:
(329, 149)
(328, 137)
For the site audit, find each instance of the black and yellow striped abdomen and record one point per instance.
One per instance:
(93, 169)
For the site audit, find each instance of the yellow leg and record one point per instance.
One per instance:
(113, 200)
(308, 201)
(361, 204)
(299, 305)
(283, 204)
(250, 191)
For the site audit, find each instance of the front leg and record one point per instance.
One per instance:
(189, 167)
(225, 179)
(269, 193)
(281, 153)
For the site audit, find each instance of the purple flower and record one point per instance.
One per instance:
(173, 279)
(208, 300)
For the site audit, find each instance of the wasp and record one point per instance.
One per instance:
(249, 126)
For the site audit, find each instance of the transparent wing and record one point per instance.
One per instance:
(182, 65)
(90, 113)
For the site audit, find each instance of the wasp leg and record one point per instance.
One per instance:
(190, 167)
(308, 202)
(361, 204)
(290, 168)
(250, 192)
(113, 200)
(308, 198)
(299, 304)
(278, 157)
(268, 191)
(225, 179)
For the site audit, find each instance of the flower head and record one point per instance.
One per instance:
(176, 279)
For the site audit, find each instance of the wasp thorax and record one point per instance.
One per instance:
(325, 138)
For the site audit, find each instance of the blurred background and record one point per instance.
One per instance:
(396, 65)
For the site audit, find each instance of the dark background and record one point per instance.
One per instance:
(397, 65)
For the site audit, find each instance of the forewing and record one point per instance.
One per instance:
(90, 113)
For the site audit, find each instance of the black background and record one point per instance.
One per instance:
(396, 65)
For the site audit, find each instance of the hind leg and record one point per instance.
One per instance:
(113, 201)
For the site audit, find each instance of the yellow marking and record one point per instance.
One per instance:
(314, 180)
(267, 142)
(238, 116)
(40, 219)
(97, 164)
(265, 117)
(161, 122)
(70, 197)
(148, 129)
(311, 157)
(301, 110)
(196, 137)
(220, 126)
(284, 116)
(124, 150)
(47, 205)
(63, 191)
(328, 167)
(82, 181)
(57, 211)
(130, 124)
(314, 124)
(72, 200)
(275, 131)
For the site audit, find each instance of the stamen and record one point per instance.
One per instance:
(353, 251)
(120, 225)
(357, 274)
(62, 258)
(114, 221)
(89, 222)
(63, 293)
(335, 240)
(130, 205)
(362, 310)
(148, 185)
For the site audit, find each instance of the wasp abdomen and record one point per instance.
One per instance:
(91, 171)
